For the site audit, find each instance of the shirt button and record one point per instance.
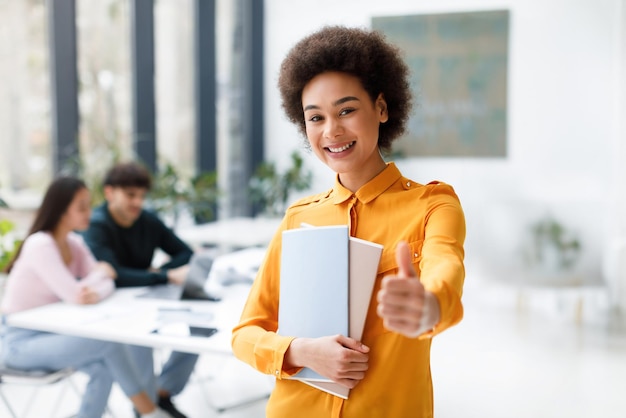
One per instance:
(277, 372)
(408, 184)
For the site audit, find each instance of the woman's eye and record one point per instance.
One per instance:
(346, 111)
(315, 118)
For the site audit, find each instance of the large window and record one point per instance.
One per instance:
(104, 56)
(104, 89)
(173, 40)
(25, 158)
(103, 48)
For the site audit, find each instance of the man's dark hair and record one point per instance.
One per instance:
(364, 54)
(128, 174)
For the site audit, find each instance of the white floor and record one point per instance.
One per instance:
(218, 383)
(502, 361)
(511, 363)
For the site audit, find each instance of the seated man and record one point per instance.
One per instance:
(125, 235)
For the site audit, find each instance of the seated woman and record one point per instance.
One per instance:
(53, 264)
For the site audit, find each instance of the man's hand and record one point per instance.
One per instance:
(342, 359)
(87, 296)
(178, 275)
(403, 303)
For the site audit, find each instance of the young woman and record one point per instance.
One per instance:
(54, 264)
(348, 92)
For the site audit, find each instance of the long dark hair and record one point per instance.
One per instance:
(55, 202)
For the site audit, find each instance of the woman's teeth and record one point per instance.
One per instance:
(345, 147)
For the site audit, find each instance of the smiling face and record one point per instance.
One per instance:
(125, 203)
(342, 124)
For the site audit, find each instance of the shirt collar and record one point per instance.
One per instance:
(370, 190)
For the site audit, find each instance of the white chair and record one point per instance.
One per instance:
(36, 379)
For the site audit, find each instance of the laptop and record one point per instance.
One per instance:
(187, 291)
(192, 289)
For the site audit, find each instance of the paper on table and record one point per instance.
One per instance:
(186, 316)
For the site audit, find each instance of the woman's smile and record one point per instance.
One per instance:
(337, 149)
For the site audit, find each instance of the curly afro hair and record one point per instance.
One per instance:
(364, 54)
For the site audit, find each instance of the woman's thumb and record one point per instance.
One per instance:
(403, 258)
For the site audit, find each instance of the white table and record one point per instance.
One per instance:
(125, 318)
(128, 319)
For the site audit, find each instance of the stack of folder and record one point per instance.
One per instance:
(326, 285)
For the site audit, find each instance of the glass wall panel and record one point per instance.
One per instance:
(103, 33)
(25, 158)
(104, 89)
(174, 85)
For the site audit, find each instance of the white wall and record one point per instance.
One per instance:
(564, 134)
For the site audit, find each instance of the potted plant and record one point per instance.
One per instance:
(203, 196)
(171, 194)
(8, 243)
(270, 189)
(553, 248)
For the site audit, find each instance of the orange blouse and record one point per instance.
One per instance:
(386, 210)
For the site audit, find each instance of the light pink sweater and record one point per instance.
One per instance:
(39, 275)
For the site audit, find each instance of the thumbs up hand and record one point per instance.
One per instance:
(403, 303)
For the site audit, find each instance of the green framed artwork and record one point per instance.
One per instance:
(458, 67)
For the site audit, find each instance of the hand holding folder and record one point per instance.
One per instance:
(362, 258)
